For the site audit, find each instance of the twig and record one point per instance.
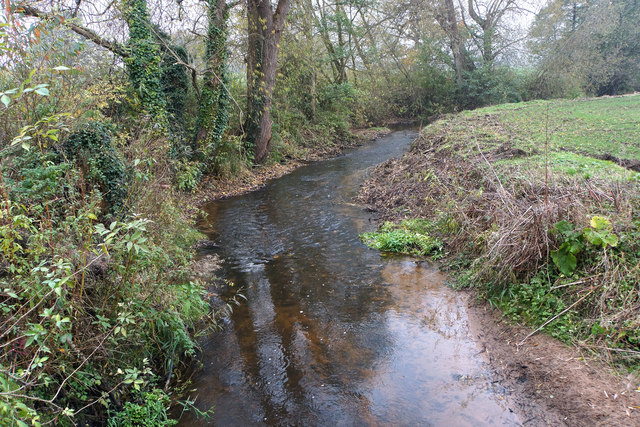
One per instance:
(622, 350)
(80, 366)
(546, 160)
(565, 285)
(473, 132)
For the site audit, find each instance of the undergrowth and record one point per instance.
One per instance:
(555, 247)
(99, 308)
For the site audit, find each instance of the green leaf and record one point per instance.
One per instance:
(563, 227)
(575, 246)
(30, 340)
(42, 91)
(5, 100)
(611, 239)
(600, 223)
(564, 259)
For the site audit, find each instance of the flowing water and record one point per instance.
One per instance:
(334, 333)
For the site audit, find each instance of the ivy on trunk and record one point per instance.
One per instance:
(143, 61)
(213, 115)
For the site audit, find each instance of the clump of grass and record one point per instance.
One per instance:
(409, 237)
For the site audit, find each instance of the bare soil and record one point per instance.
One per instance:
(549, 383)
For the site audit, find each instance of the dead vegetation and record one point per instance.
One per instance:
(497, 217)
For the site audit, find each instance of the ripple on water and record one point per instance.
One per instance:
(332, 333)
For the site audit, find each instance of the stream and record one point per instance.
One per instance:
(332, 332)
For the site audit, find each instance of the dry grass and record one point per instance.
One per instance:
(496, 215)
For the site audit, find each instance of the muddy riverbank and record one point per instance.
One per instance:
(551, 383)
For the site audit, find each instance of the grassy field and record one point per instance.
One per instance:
(577, 135)
(535, 205)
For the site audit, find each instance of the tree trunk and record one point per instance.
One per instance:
(265, 29)
(314, 95)
(213, 115)
(455, 41)
(487, 45)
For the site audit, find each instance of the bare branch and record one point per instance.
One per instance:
(112, 46)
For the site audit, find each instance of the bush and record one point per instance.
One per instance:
(91, 149)
(489, 86)
(148, 410)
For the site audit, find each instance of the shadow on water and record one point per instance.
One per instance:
(332, 332)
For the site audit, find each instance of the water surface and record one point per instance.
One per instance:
(334, 333)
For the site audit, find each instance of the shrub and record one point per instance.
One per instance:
(92, 150)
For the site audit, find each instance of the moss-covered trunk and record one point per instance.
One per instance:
(143, 61)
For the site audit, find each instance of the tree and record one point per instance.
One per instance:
(213, 116)
(447, 17)
(494, 11)
(143, 61)
(587, 47)
(141, 54)
(265, 30)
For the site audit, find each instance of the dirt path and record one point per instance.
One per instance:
(550, 383)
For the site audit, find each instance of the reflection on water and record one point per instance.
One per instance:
(332, 332)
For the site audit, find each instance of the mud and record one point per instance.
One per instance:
(630, 164)
(550, 383)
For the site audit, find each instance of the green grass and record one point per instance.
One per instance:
(569, 165)
(592, 127)
(411, 237)
(589, 127)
